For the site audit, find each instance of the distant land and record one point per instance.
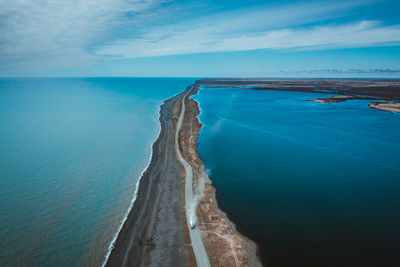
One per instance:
(387, 90)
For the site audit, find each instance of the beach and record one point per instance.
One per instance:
(156, 231)
(71, 168)
(224, 244)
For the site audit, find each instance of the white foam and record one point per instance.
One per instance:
(111, 247)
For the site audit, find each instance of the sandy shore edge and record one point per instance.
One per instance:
(155, 231)
(224, 244)
(389, 106)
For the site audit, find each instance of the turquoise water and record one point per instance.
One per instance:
(71, 153)
(313, 184)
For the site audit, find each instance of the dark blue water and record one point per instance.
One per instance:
(313, 184)
(71, 153)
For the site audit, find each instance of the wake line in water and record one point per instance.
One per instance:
(111, 247)
(261, 130)
(294, 140)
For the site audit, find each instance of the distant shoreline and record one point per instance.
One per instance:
(384, 92)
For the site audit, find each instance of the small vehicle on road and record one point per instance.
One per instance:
(192, 223)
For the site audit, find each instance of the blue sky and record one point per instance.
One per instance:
(200, 38)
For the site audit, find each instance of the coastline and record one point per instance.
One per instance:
(133, 200)
(384, 92)
(224, 244)
(155, 232)
(390, 106)
(362, 115)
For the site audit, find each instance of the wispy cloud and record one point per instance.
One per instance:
(359, 34)
(77, 33)
(295, 25)
(59, 32)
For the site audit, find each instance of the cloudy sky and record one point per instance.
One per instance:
(200, 38)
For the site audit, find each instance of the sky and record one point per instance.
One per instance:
(165, 38)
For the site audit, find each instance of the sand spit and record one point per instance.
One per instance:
(331, 99)
(155, 232)
(224, 245)
(339, 98)
(391, 106)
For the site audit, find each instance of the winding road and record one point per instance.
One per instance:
(199, 250)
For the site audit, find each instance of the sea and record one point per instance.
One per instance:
(313, 184)
(72, 151)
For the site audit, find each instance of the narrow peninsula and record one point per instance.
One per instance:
(157, 231)
(176, 220)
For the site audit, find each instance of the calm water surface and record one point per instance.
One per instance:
(313, 184)
(71, 153)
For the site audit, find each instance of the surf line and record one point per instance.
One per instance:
(134, 197)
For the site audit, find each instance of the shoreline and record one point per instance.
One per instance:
(389, 106)
(255, 247)
(225, 245)
(196, 241)
(384, 92)
(137, 185)
(390, 90)
(155, 232)
(132, 204)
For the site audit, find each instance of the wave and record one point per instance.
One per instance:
(115, 237)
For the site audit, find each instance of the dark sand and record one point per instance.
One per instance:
(155, 232)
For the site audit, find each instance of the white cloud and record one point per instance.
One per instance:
(58, 32)
(202, 40)
(263, 27)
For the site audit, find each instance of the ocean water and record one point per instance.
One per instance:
(312, 184)
(71, 154)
